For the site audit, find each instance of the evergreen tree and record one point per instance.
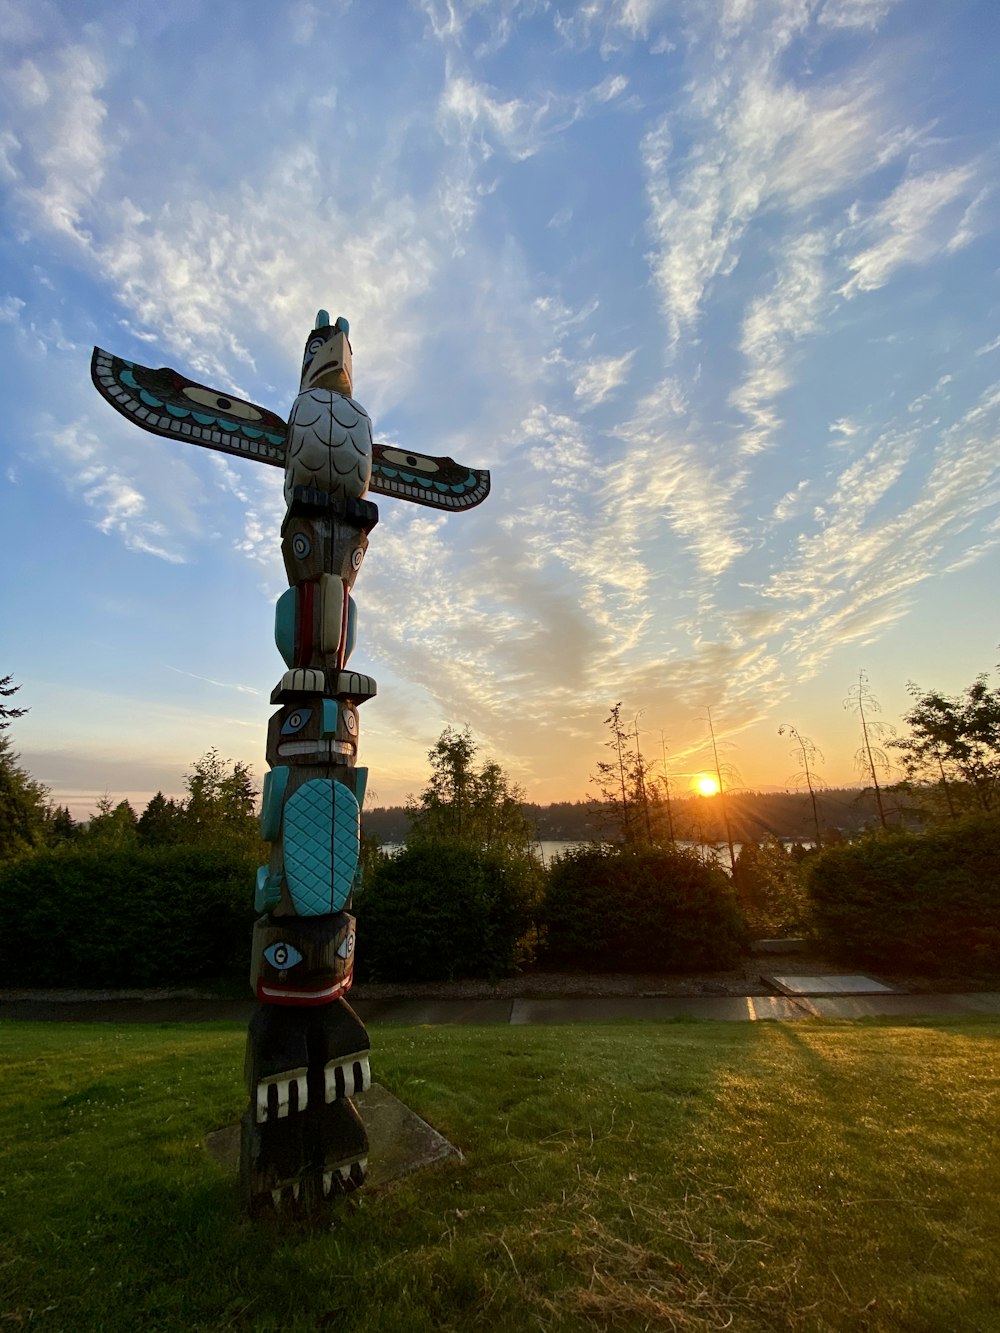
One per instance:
(60, 827)
(113, 826)
(23, 801)
(8, 714)
(22, 806)
(161, 823)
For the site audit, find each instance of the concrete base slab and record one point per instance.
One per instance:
(731, 1008)
(829, 985)
(399, 1141)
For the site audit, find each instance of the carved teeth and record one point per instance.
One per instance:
(276, 1198)
(276, 1105)
(347, 1077)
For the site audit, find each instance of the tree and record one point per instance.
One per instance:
(113, 826)
(477, 807)
(806, 752)
(60, 827)
(621, 781)
(954, 741)
(22, 806)
(23, 801)
(161, 823)
(221, 804)
(8, 714)
(869, 757)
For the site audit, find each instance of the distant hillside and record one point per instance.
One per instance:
(752, 815)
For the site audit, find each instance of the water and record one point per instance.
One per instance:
(549, 849)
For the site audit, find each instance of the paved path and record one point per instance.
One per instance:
(576, 1009)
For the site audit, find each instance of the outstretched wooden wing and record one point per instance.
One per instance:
(440, 483)
(170, 404)
(167, 403)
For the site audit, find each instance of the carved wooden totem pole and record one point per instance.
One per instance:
(307, 1050)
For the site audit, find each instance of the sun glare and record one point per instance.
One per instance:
(706, 785)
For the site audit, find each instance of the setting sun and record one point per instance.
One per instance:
(706, 785)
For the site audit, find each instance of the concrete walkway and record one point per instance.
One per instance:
(519, 1012)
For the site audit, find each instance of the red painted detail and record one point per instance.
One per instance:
(305, 601)
(289, 995)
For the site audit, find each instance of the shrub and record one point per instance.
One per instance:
(439, 911)
(140, 917)
(768, 881)
(611, 908)
(930, 901)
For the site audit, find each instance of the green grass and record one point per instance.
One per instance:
(806, 1176)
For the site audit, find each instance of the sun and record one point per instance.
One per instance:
(706, 785)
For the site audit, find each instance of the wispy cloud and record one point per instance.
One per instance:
(922, 217)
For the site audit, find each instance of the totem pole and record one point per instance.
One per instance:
(302, 1139)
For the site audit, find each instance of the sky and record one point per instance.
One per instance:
(711, 289)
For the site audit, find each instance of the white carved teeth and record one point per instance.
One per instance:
(274, 1095)
(343, 1175)
(347, 1077)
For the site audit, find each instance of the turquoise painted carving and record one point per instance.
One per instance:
(331, 716)
(307, 1051)
(284, 626)
(272, 800)
(321, 838)
(267, 892)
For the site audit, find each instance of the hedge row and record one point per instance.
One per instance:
(927, 902)
(610, 909)
(178, 915)
(440, 911)
(165, 916)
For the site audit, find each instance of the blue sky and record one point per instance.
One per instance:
(712, 289)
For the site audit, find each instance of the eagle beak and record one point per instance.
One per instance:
(331, 367)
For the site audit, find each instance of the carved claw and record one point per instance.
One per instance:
(344, 1179)
(347, 1076)
(274, 1095)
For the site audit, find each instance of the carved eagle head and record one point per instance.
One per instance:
(326, 362)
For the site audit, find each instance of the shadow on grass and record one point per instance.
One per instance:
(623, 1176)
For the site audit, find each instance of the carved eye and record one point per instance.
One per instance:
(350, 721)
(420, 462)
(282, 956)
(313, 346)
(346, 946)
(233, 407)
(295, 721)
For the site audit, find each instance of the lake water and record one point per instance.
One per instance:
(550, 849)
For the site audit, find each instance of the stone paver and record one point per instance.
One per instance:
(833, 984)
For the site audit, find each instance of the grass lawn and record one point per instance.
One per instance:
(685, 1176)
